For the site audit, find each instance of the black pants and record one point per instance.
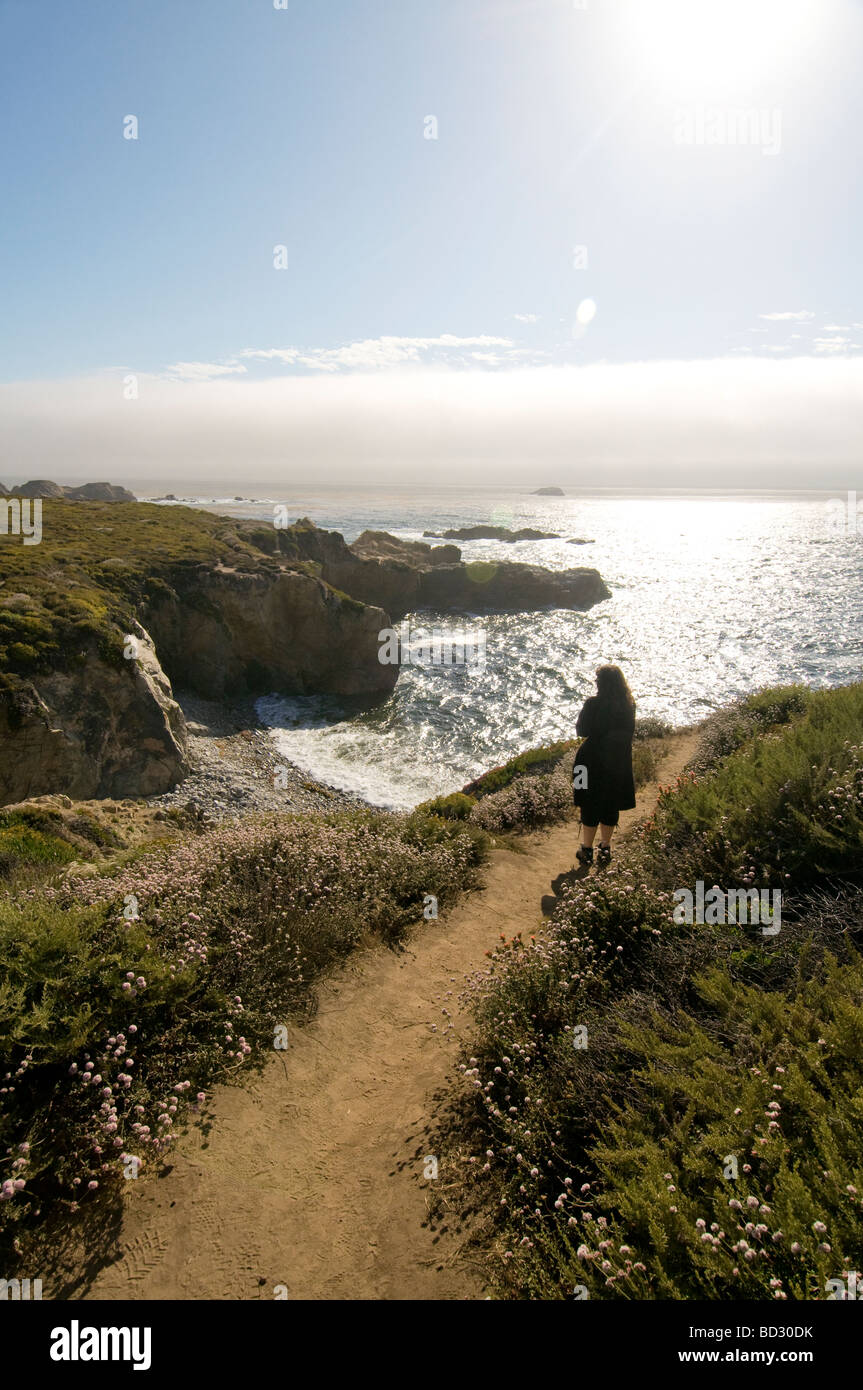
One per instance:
(595, 811)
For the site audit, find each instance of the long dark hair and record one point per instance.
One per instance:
(612, 689)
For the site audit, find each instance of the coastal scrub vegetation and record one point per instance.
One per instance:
(127, 991)
(674, 1111)
(534, 788)
(654, 1110)
(97, 566)
(36, 838)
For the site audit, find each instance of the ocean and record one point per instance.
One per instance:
(713, 595)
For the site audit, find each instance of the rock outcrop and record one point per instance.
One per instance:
(217, 606)
(99, 730)
(380, 545)
(222, 632)
(84, 714)
(99, 492)
(487, 587)
(395, 576)
(38, 488)
(548, 492)
(87, 492)
(494, 533)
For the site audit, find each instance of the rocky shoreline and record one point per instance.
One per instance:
(234, 767)
(131, 603)
(235, 773)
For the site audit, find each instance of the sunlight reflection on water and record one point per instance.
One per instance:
(711, 598)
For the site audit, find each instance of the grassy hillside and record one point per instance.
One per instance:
(656, 1110)
(96, 564)
(228, 930)
(126, 992)
(676, 1111)
(37, 838)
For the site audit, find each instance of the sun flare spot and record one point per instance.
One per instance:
(702, 47)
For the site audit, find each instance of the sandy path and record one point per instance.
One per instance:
(311, 1176)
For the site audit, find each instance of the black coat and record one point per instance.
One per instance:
(606, 754)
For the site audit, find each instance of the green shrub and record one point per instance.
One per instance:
(456, 806)
(733, 725)
(786, 806)
(184, 958)
(620, 1062)
(652, 727)
(534, 762)
(89, 829)
(527, 802)
(32, 838)
(535, 788)
(645, 762)
(753, 1109)
(21, 653)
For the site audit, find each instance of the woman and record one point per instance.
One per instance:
(602, 781)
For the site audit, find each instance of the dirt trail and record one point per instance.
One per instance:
(311, 1176)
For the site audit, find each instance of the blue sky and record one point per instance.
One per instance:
(557, 127)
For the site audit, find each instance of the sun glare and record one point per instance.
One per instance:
(702, 47)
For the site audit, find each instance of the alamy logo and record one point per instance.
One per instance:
(77, 1343)
(843, 1292)
(742, 905)
(729, 125)
(15, 521)
(845, 518)
(19, 1290)
(406, 646)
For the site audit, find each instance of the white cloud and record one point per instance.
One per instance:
(526, 318)
(837, 328)
(791, 315)
(741, 421)
(204, 371)
(376, 352)
(282, 354)
(837, 344)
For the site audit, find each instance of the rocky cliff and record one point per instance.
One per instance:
(494, 533)
(87, 492)
(86, 712)
(100, 729)
(401, 576)
(217, 606)
(380, 545)
(222, 632)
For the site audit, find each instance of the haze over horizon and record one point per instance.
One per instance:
(466, 242)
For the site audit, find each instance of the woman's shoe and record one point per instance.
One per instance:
(603, 855)
(584, 855)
